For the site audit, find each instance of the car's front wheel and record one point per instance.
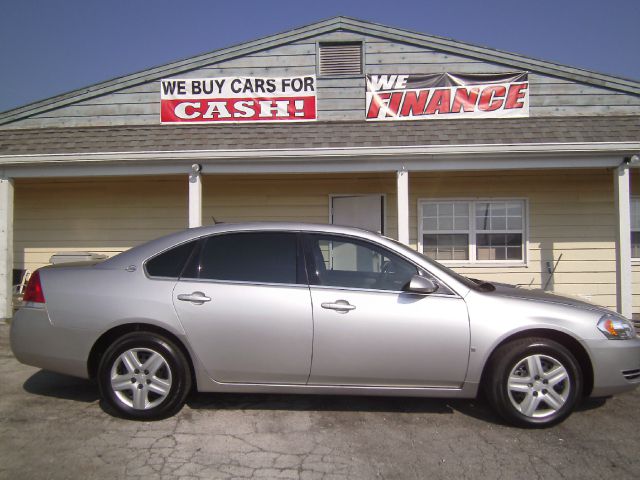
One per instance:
(533, 382)
(144, 376)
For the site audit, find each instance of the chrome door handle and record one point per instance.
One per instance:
(340, 306)
(196, 297)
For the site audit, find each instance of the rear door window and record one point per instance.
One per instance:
(255, 257)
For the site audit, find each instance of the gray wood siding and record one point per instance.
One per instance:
(338, 98)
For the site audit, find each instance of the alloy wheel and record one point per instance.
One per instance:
(141, 378)
(538, 386)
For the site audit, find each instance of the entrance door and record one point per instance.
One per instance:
(361, 211)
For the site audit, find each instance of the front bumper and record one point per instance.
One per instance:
(616, 365)
(35, 341)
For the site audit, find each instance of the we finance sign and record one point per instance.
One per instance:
(238, 99)
(446, 95)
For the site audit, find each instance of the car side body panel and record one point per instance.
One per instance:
(82, 303)
(394, 339)
(249, 333)
(35, 341)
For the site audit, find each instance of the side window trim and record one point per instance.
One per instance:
(302, 269)
(310, 266)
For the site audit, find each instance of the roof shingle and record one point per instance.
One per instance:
(320, 135)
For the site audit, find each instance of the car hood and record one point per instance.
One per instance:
(538, 295)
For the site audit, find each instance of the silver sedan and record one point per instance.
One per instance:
(300, 308)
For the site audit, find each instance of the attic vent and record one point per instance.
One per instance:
(344, 58)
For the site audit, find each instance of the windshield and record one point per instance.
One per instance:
(466, 281)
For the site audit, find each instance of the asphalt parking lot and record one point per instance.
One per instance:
(54, 427)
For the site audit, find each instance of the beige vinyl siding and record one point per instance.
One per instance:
(289, 198)
(570, 216)
(104, 215)
(571, 222)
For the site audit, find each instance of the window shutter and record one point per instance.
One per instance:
(340, 59)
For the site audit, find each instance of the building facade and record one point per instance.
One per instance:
(505, 168)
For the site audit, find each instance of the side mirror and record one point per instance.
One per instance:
(420, 284)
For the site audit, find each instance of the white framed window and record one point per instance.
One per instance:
(635, 228)
(473, 231)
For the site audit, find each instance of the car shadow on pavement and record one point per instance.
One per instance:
(591, 404)
(341, 403)
(477, 408)
(56, 385)
(50, 384)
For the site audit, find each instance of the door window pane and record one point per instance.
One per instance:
(635, 227)
(265, 257)
(446, 230)
(461, 216)
(635, 244)
(483, 217)
(499, 246)
(342, 262)
(445, 216)
(446, 246)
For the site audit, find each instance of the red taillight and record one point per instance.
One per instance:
(33, 292)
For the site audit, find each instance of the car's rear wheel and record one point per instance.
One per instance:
(533, 382)
(145, 376)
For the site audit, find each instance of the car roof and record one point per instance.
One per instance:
(141, 252)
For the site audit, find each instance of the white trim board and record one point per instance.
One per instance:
(627, 148)
(81, 169)
(322, 160)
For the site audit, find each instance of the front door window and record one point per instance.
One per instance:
(343, 262)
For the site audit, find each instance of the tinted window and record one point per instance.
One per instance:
(171, 262)
(343, 262)
(268, 257)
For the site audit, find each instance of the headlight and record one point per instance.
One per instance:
(616, 328)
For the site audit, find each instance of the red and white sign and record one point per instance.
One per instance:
(238, 99)
(443, 96)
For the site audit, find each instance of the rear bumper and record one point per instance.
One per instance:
(35, 341)
(616, 365)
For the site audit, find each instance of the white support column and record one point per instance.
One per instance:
(6, 248)
(195, 197)
(623, 239)
(403, 205)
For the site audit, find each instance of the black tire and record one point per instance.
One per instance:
(529, 408)
(171, 376)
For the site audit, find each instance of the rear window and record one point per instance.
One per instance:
(170, 263)
(261, 257)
